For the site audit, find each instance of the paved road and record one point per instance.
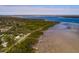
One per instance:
(63, 37)
(23, 38)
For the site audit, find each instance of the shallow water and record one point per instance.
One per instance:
(62, 37)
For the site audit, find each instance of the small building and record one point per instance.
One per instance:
(17, 37)
(4, 44)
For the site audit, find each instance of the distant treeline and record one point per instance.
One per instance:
(15, 18)
(71, 16)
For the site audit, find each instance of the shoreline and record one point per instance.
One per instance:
(59, 39)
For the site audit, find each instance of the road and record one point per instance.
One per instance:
(22, 39)
(63, 37)
(18, 41)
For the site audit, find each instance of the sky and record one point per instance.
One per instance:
(39, 9)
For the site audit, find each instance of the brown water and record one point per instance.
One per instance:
(63, 37)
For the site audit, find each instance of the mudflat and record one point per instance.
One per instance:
(63, 37)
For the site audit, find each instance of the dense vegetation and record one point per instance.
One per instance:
(22, 26)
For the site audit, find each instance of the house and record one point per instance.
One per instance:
(19, 36)
(4, 44)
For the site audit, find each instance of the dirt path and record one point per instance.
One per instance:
(60, 38)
